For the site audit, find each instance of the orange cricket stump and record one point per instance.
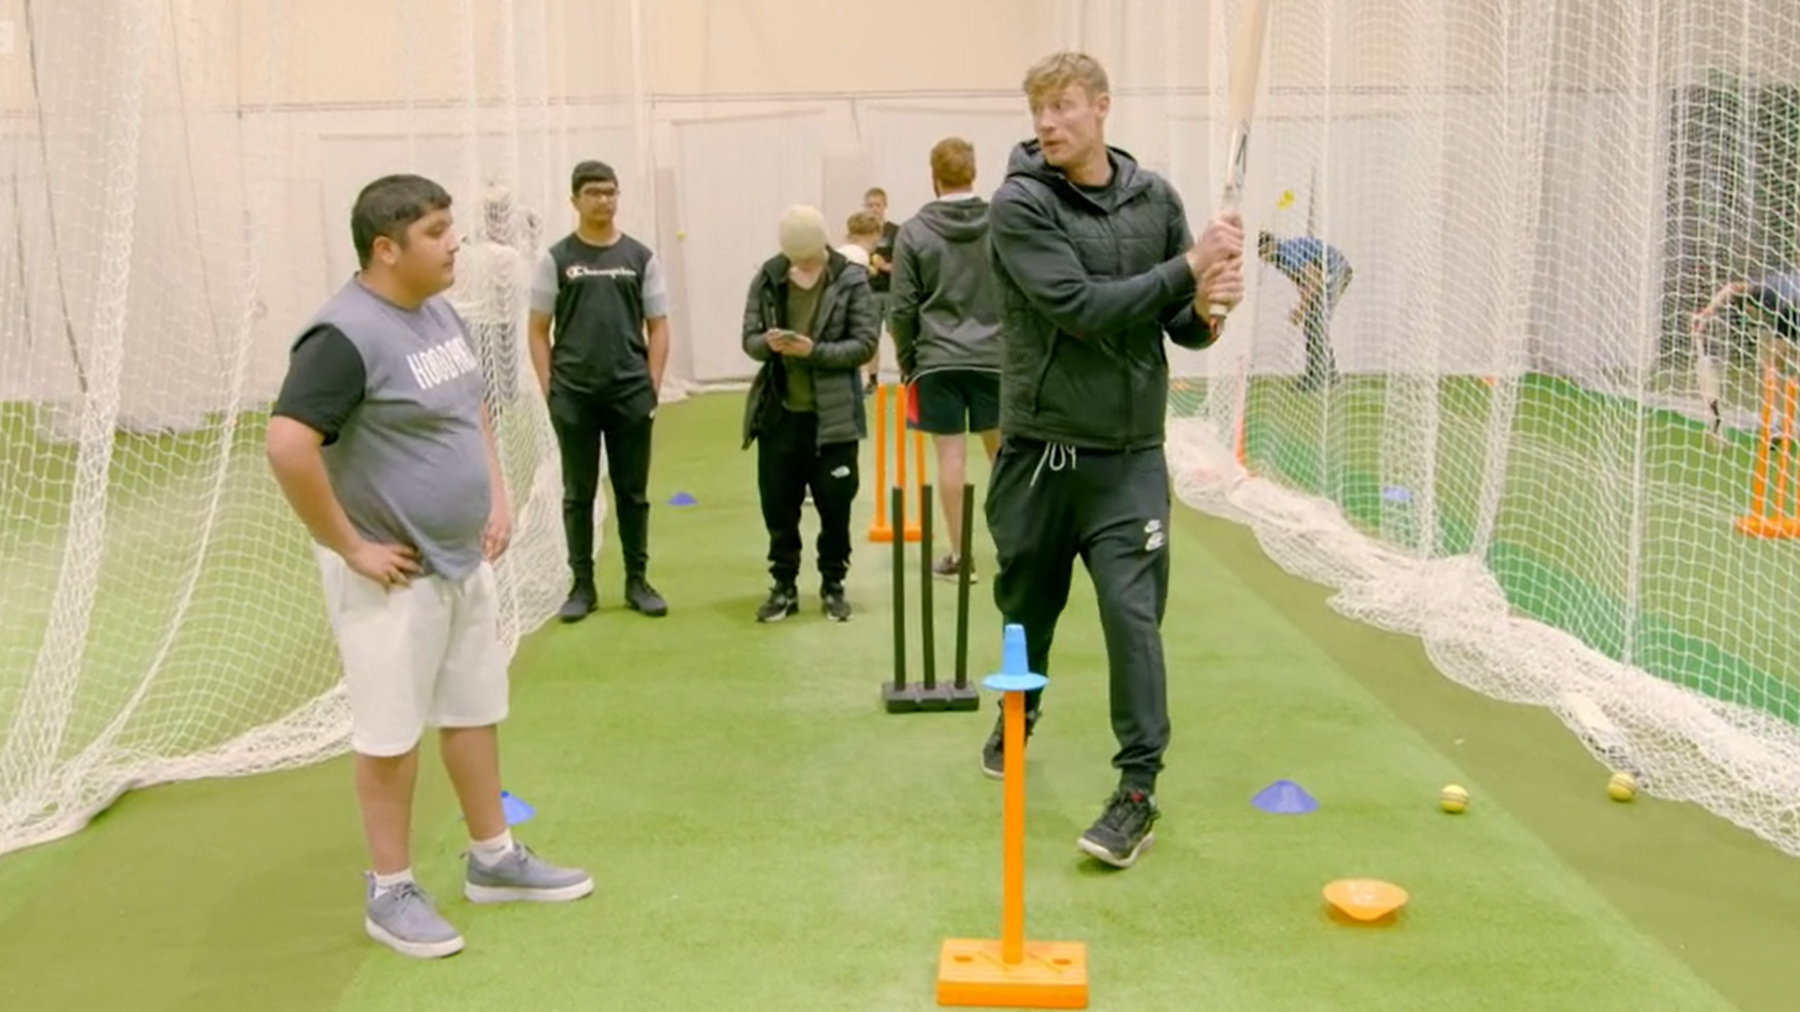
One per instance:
(1011, 972)
(914, 531)
(1775, 481)
(879, 530)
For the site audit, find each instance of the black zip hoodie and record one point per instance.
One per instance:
(1090, 280)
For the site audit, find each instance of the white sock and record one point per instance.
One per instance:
(384, 883)
(489, 852)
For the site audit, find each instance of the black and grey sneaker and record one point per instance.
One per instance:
(641, 597)
(581, 603)
(783, 601)
(835, 604)
(993, 754)
(1122, 832)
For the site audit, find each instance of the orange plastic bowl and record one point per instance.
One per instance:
(1365, 899)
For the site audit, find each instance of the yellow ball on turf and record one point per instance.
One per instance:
(1622, 787)
(1453, 799)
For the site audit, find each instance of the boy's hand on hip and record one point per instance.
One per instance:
(388, 565)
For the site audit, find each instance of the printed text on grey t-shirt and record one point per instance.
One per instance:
(410, 466)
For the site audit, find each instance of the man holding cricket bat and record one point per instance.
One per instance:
(1094, 265)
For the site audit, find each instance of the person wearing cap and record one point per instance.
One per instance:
(810, 319)
(599, 343)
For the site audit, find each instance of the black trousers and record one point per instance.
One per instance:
(789, 462)
(582, 422)
(1048, 505)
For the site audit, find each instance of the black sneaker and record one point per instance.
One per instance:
(1122, 832)
(993, 754)
(782, 602)
(581, 603)
(832, 600)
(640, 596)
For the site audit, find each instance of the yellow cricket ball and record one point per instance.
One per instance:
(1453, 799)
(1621, 787)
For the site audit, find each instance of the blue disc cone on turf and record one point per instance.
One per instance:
(1015, 674)
(515, 809)
(681, 499)
(1284, 797)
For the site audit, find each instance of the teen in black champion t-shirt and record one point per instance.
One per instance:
(599, 341)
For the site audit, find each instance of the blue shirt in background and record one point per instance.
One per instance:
(1293, 257)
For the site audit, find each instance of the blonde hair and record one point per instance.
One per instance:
(862, 223)
(1057, 71)
(953, 163)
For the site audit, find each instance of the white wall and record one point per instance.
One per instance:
(1502, 156)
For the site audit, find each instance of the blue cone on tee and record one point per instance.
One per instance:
(681, 499)
(1284, 797)
(515, 810)
(1015, 674)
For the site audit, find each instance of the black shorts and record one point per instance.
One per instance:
(952, 401)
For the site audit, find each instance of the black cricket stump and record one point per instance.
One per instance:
(897, 696)
(964, 696)
(931, 697)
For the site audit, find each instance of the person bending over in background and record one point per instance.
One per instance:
(379, 441)
(1094, 265)
(1322, 273)
(1773, 300)
(602, 294)
(810, 320)
(946, 327)
(862, 233)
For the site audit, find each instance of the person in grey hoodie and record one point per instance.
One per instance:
(1094, 266)
(946, 327)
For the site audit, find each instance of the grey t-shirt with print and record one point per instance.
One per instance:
(396, 394)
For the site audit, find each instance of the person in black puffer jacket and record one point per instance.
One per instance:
(1093, 266)
(810, 319)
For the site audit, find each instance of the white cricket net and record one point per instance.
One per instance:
(175, 191)
(1510, 456)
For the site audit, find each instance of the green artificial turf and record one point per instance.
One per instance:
(766, 838)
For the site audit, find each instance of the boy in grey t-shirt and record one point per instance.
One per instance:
(382, 447)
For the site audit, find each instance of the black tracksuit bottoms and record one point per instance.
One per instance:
(1048, 504)
(582, 422)
(789, 462)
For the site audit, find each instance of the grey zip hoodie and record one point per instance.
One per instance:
(942, 310)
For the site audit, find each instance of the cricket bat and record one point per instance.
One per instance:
(1246, 68)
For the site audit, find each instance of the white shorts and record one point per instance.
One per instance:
(424, 655)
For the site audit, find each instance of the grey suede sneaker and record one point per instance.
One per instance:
(522, 875)
(403, 919)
